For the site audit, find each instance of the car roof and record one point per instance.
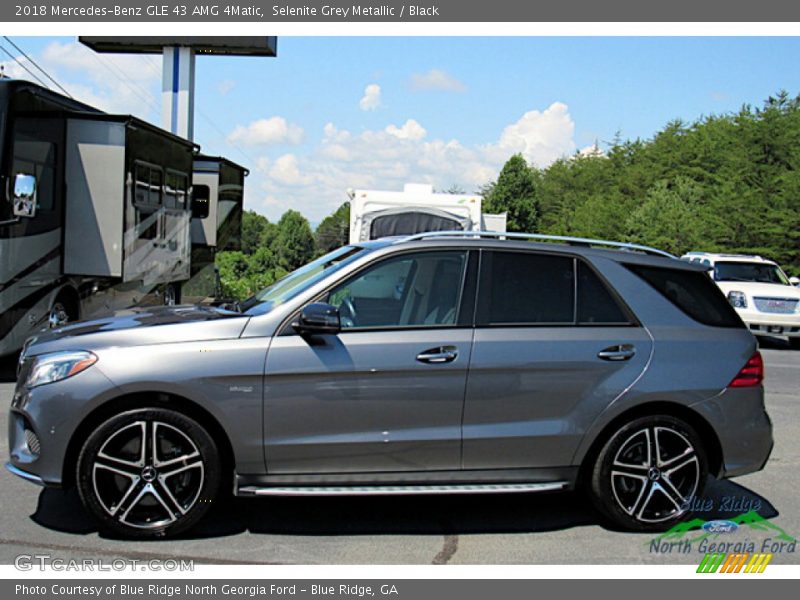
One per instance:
(576, 247)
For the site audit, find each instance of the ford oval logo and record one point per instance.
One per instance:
(720, 527)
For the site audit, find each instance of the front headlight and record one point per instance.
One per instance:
(737, 299)
(48, 368)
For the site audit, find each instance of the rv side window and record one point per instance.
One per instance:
(176, 191)
(147, 184)
(200, 198)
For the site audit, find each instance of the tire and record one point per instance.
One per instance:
(647, 472)
(172, 294)
(137, 493)
(64, 310)
(794, 343)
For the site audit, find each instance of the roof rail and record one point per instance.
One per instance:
(574, 241)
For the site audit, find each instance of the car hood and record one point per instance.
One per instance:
(141, 326)
(751, 288)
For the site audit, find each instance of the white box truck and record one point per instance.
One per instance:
(417, 209)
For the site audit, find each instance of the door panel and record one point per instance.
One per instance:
(533, 391)
(361, 402)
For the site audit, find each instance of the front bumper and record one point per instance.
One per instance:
(42, 422)
(761, 323)
(743, 428)
(24, 474)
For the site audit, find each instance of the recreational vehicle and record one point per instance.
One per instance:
(95, 211)
(417, 209)
(217, 199)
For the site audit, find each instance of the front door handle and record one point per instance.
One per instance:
(443, 354)
(617, 353)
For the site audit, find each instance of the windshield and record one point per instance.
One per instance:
(747, 271)
(300, 280)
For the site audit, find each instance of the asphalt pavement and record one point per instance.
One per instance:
(458, 529)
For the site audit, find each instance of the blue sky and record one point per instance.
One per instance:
(332, 113)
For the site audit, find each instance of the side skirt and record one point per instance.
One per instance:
(395, 484)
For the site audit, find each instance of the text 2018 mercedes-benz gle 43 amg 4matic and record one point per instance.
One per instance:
(438, 363)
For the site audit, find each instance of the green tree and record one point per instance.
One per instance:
(514, 193)
(669, 217)
(293, 245)
(334, 230)
(253, 227)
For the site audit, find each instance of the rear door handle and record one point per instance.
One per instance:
(617, 353)
(443, 354)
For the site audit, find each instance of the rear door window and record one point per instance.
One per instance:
(521, 288)
(526, 288)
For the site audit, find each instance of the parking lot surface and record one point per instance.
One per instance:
(459, 529)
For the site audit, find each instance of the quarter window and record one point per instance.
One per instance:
(596, 305)
(412, 290)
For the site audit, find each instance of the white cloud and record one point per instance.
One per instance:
(115, 83)
(263, 132)
(411, 130)
(436, 79)
(372, 97)
(315, 182)
(286, 170)
(541, 137)
(225, 86)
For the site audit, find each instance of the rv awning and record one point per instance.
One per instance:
(408, 221)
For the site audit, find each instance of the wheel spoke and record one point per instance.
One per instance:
(195, 464)
(689, 459)
(654, 450)
(647, 460)
(116, 465)
(127, 499)
(167, 493)
(671, 492)
(146, 490)
(643, 500)
(140, 462)
(635, 471)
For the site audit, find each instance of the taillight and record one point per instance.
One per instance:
(751, 374)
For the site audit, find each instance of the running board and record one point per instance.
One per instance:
(400, 490)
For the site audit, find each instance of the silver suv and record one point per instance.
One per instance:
(440, 363)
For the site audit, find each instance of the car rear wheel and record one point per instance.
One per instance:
(147, 473)
(648, 472)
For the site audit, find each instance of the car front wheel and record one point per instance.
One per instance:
(150, 472)
(648, 472)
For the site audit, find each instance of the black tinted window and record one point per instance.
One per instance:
(521, 288)
(693, 292)
(200, 200)
(595, 302)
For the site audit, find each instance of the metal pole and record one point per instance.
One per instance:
(177, 91)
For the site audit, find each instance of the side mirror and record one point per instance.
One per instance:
(794, 280)
(24, 201)
(318, 318)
